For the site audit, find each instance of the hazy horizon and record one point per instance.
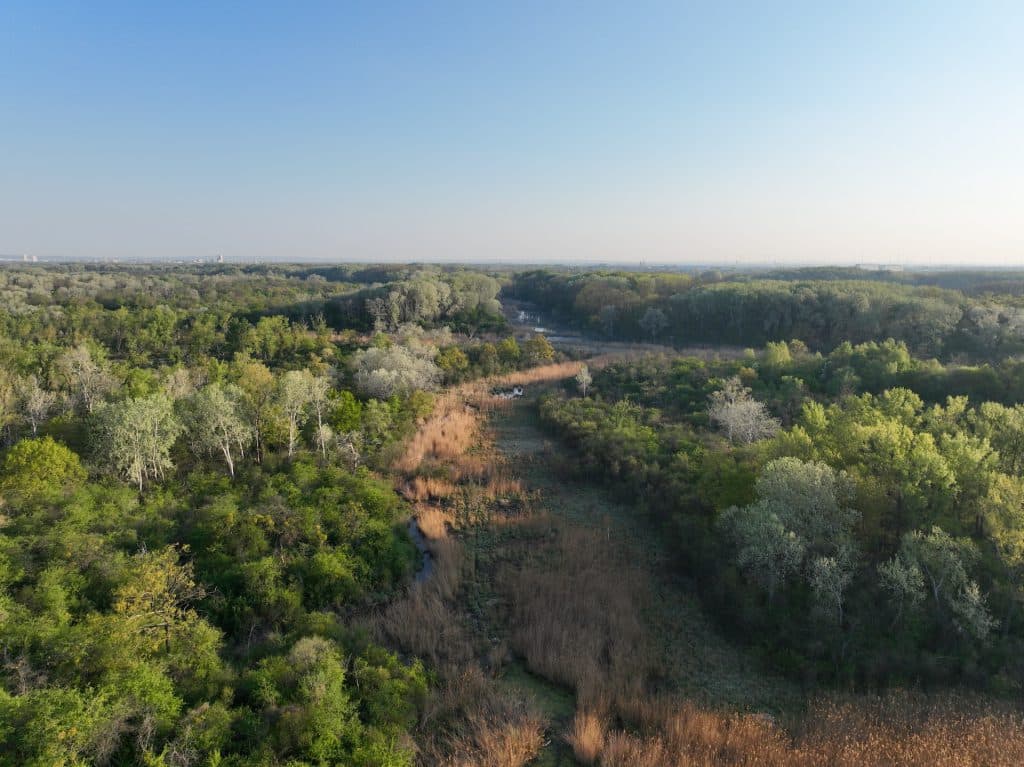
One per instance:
(744, 134)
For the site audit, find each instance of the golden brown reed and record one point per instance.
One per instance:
(452, 428)
(468, 723)
(587, 736)
(946, 730)
(576, 611)
(428, 489)
(447, 433)
(433, 521)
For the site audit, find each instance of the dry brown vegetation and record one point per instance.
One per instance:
(446, 436)
(575, 605)
(901, 729)
(468, 723)
(587, 736)
(912, 729)
(572, 606)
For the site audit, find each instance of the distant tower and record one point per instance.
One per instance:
(220, 258)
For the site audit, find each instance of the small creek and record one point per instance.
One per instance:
(427, 563)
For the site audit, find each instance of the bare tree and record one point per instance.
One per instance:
(584, 379)
(85, 378)
(742, 417)
(319, 401)
(36, 402)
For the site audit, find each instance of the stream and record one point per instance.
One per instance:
(426, 568)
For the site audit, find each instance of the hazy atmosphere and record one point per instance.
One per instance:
(532, 131)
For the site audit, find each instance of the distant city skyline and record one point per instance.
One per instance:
(738, 133)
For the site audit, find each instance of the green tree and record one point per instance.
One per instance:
(134, 437)
(215, 422)
(257, 403)
(39, 471)
(294, 393)
(538, 350)
(453, 363)
(509, 352)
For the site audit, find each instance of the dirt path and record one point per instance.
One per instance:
(699, 663)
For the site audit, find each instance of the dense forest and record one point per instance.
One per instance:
(190, 511)
(708, 309)
(894, 525)
(207, 477)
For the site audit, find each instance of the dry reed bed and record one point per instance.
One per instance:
(468, 723)
(575, 606)
(900, 729)
(453, 426)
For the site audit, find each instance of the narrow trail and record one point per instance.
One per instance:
(700, 664)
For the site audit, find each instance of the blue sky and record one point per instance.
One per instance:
(671, 131)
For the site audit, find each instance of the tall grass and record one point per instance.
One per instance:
(587, 736)
(575, 606)
(469, 723)
(452, 428)
(946, 730)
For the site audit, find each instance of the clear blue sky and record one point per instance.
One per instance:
(698, 132)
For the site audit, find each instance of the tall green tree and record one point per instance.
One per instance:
(134, 437)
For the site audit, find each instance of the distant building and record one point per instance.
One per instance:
(880, 267)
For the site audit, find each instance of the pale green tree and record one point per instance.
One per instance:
(384, 372)
(653, 322)
(942, 562)
(294, 392)
(85, 376)
(216, 423)
(34, 402)
(813, 499)
(829, 577)
(134, 437)
(766, 552)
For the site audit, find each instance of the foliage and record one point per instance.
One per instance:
(867, 504)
